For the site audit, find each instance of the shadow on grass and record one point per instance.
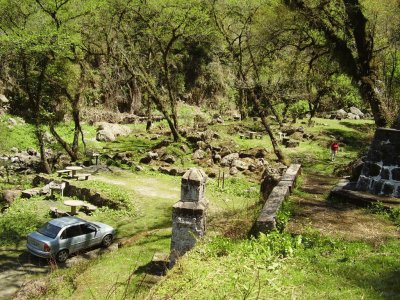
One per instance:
(352, 140)
(359, 127)
(383, 279)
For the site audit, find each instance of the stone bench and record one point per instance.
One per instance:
(88, 208)
(56, 213)
(61, 172)
(82, 176)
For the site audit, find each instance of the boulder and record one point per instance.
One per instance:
(169, 159)
(199, 154)
(228, 159)
(352, 116)
(109, 132)
(269, 179)
(289, 143)
(341, 113)
(233, 171)
(12, 121)
(356, 169)
(9, 196)
(240, 165)
(3, 99)
(356, 111)
(105, 136)
(31, 151)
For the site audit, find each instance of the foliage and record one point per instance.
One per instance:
(281, 265)
(392, 214)
(19, 220)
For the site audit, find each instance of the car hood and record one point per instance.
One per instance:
(104, 227)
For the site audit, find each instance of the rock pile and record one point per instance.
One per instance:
(353, 114)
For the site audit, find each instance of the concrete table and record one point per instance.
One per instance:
(74, 204)
(73, 170)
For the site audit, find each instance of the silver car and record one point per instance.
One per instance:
(61, 237)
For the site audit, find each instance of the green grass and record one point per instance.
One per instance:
(21, 135)
(284, 267)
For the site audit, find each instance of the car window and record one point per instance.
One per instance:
(87, 228)
(49, 230)
(73, 231)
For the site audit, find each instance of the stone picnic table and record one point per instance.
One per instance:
(74, 204)
(73, 170)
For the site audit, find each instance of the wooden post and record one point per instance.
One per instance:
(223, 180)
(219, 176)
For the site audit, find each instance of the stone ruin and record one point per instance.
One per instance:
(189, 214)
(380, 174)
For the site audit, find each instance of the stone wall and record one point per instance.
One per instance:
(381, 171)
(267, 218)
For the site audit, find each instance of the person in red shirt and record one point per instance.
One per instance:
(334, 150)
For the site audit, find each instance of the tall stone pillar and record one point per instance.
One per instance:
(189, 214)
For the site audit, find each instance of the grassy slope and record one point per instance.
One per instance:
(305, 266)
(305, 271)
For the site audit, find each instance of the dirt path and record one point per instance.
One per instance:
(335, 219)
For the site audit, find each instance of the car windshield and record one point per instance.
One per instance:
(49, 230)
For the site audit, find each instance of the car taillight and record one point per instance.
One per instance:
(46, 248)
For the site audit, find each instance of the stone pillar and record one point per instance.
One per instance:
(189, 214)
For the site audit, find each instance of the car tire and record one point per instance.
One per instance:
(62, 256)
(107, 240)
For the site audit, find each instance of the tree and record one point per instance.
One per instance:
(42, 41)
(350, 41)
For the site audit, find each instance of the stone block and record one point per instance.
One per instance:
(363, 183)
(371, 169)
(385, 174)
(377, 186)
(374, 156)
(388, 188)
(396, 174)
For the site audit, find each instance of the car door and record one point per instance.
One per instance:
(90, 236)
(72, 238)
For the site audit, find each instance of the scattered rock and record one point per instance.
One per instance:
(356, 111)
(109, 132)
(12, 121)
(228, 159)
(233, 171)
(240, 165)
(10, 195)
(199, 154)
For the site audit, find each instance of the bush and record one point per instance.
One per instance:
(19, 220)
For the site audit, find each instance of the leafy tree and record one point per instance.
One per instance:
(42, 40)
(345, 31)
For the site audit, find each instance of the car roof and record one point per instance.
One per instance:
(66, 221)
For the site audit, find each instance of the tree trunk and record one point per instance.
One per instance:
(63, 143)
(278, 152)
(42, 149)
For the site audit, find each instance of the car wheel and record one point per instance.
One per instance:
(62, 256)
(107, 240)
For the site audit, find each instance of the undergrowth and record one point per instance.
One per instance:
(392, 214)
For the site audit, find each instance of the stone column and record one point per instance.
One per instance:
(189, 214)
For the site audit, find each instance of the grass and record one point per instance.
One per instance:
(280, 266)
(226, 264)
(21, 135)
